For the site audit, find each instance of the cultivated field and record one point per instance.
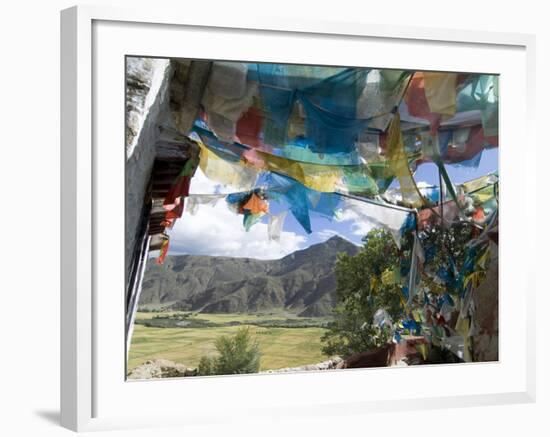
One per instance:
(280, 346)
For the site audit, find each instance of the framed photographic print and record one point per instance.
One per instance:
(291, 218)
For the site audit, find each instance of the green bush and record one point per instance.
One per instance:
(238, 354)
(351, 330)
(207, 366)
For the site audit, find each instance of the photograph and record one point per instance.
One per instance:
(308, 218)
(276, 219)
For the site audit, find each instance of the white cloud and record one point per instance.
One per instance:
(325, 234)
(359, 225)
(218, 231)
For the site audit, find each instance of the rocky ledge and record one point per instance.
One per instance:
(161, 369)
(331, 363)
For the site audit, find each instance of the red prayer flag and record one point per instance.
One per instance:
(179, 189)
(249, 127)
(417, 104)
(163, 251)
(177, 211)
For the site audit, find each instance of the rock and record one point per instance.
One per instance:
(311, 367)
(329, 364)
(324, 365)
(161, 368)
(146, 78)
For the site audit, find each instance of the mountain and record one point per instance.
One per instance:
(302, 282)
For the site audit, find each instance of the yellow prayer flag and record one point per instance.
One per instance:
(440, 90)
(400, 165)
(234, 174)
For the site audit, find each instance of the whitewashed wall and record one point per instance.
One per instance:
(146, 104)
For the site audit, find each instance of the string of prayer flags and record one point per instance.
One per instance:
(234, 174)
(338, 103)
(194, 200)
(400, 165)
(323, 178)
(319, 177)
(390, 218)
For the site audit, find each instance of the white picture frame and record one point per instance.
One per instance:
(94, 393)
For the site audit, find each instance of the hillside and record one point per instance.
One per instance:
(302, 282)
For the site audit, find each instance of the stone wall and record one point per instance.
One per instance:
(147, 82)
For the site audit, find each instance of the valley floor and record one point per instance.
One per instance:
(280, 346)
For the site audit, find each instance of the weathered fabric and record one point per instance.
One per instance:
(324, 178)
(249, 127)
(227, 96)
(163, 251)
(291, 194)
(430, 217)
(480, 91)
(400, 165)
(440, 90)
(386, 217)
(381, 94)
(238, 176)
(193, 201)
(479, 183)
(177, 191)
(278, 86)
(417, 103)
(256, 205)
(275, 226)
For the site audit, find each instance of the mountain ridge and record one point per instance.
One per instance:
(302, 282)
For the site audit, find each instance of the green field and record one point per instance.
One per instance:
(280, 346)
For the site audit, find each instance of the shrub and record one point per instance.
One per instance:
(207, 366)
(236, 355)
(360, 291)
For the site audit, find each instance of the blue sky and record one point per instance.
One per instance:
(489, 163)
(215, 230)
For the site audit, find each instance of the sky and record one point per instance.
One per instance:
(218, 231)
